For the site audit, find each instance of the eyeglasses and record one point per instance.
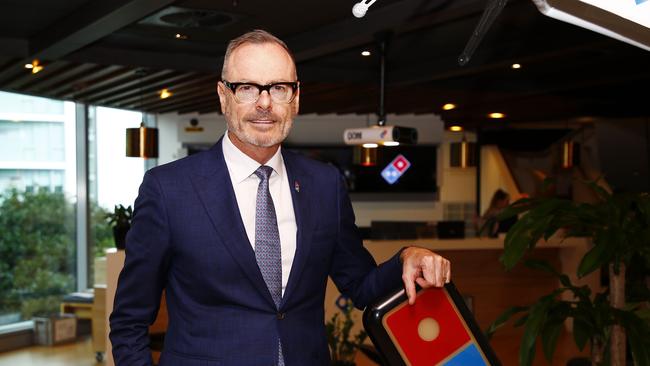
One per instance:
(283, 92)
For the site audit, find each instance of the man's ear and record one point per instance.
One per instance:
(222, 96)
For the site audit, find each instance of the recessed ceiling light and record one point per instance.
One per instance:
(449, 106)
(365, 53)
(35, 66)
(391, 143)
(180, 36)
(496, 115)
(516, 66)
(455, 128)
(370, 146)
(164, 94)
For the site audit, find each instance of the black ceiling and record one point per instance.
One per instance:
(121, 53)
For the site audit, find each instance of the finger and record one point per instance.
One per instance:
(448, 271)
(440, 271)
(429, 270)
(409, 285)
(423, 283)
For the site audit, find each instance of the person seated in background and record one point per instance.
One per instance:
(489, 223)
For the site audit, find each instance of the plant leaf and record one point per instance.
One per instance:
(550, 335)
(503, 318)
(534, 325)
(581, 331)
(597, 256)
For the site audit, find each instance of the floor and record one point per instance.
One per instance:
(81, 354)
(72, 354)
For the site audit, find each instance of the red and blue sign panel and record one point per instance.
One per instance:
(432, 332)
(393, 171)
(437, 330)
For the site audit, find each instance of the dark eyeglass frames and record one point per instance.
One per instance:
(283, 92)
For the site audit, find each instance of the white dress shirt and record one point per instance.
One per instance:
(242, 169)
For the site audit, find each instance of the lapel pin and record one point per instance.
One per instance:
(296, 186)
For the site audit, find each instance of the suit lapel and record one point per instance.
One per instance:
(301, 191)
(214, 187)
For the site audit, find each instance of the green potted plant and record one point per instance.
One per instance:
(120, 219)
(343, 347)
(619, 228)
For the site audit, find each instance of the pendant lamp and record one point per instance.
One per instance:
(462, 154)
(142, 142)
(570, 154)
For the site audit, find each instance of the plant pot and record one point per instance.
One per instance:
(119, 234)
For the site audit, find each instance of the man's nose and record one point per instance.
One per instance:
(264, 100)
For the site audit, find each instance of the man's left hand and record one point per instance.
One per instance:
(425, 268)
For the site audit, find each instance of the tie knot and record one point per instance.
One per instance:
(264, 172)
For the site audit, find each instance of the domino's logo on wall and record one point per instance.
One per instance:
(393, 171)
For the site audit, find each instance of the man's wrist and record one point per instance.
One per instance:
(401, 254)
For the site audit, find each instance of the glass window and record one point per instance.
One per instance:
(37, 205)
(113, 178)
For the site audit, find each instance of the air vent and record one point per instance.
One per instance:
(178, 17)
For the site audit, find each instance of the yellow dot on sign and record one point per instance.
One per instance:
(496, 115)
(428, 329)
(448, 106)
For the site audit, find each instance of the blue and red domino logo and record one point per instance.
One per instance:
(432, 332)
(393, 171)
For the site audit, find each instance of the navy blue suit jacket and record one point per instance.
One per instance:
(187, 237)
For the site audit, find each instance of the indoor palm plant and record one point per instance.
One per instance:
(619, 227)
(120, 219)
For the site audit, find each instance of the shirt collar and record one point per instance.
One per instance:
(241, 166)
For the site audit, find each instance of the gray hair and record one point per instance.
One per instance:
(257, 36)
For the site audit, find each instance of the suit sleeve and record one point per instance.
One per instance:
(143, 277)
(353, 269)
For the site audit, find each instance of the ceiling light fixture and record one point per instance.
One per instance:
(455, 128)
(365, 53)
(370, 146)
(496, 115)
(180, 36)
(359, 9)
(142, 142)
(516, 66)
(448, 106)
(165, 93)
(364, 156)
(391, 143)
(35, 66)
(570, 154)
(462, 154)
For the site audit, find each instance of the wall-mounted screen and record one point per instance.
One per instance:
(419, 180)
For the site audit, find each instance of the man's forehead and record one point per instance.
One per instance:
(261, 62)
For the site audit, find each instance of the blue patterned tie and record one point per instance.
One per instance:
(267, 241)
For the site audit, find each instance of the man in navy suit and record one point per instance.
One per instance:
(243, 237)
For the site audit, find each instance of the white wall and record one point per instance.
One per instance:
(455, 184)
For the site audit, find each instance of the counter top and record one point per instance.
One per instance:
(471, 243)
